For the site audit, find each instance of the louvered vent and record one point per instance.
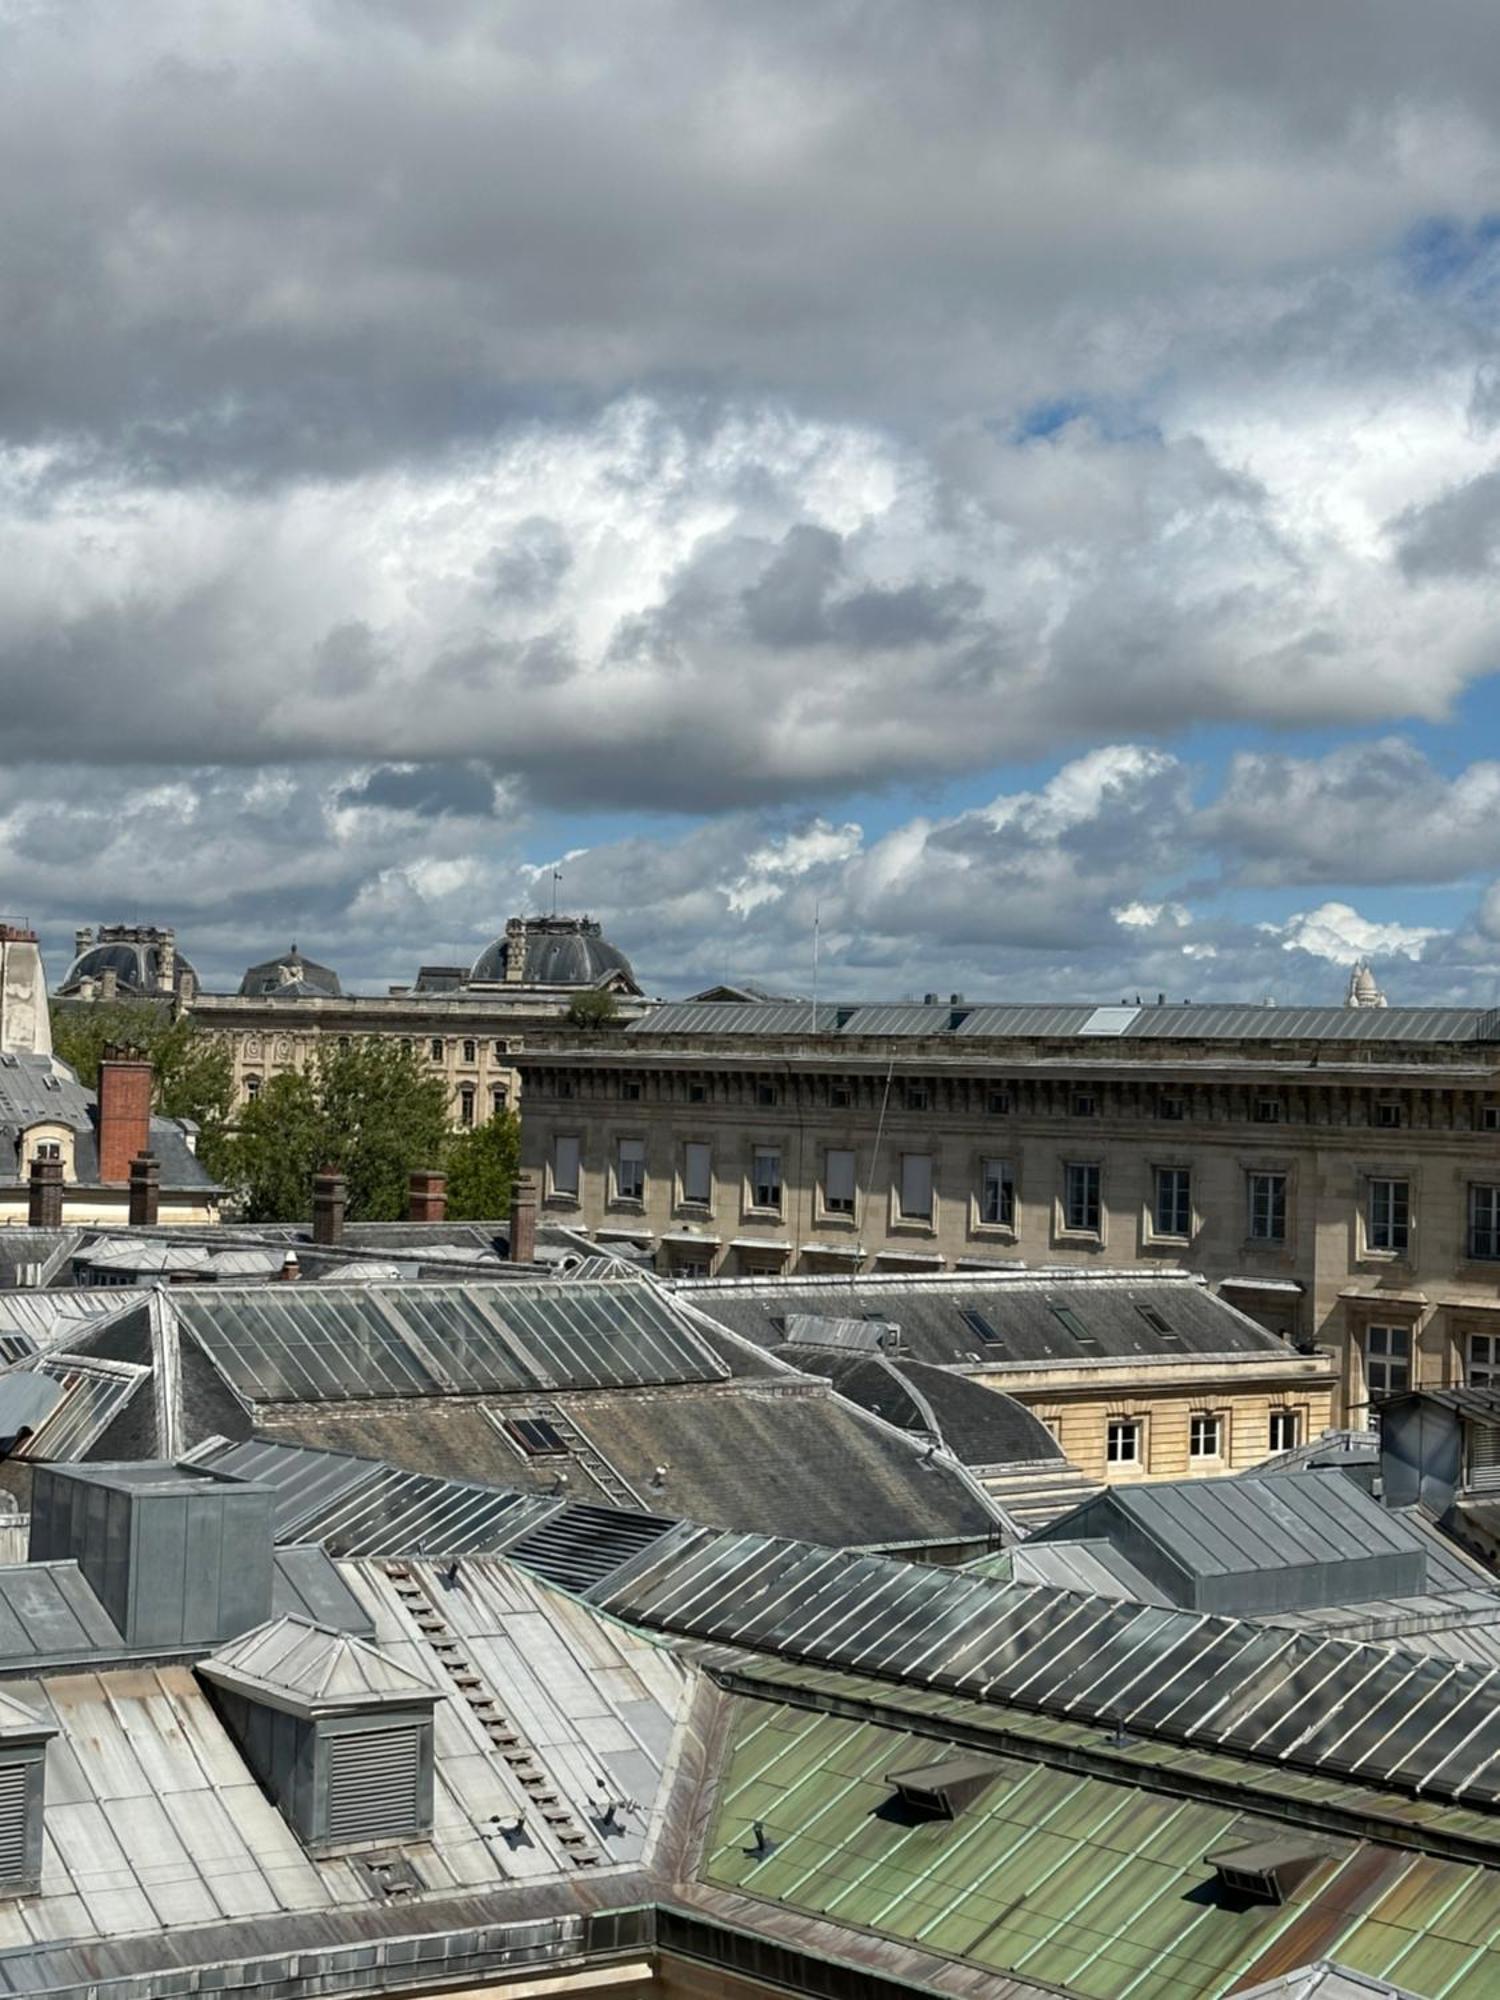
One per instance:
(14, 1803)
(374, 1783)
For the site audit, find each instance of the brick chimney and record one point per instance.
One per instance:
(427, 1196)
(145, 1190)
(44, 1197)
(124, 1113)
(330, 1192)
(523, 1219)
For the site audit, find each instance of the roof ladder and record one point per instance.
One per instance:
(415, 1594)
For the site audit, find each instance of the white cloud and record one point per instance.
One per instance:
(1337, 932)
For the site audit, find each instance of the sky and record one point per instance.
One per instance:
(1010, 490)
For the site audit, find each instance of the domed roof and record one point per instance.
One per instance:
(550, 951)
(290, 977)
(134, 955)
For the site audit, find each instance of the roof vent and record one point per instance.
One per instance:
(942, 1790)
(1266, 1871)
(23, 1766)
(338, 1733)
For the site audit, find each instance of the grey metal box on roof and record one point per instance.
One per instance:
(177, 1555)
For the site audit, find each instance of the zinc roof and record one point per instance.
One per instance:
(1282, 1697)
(1096, 1887)
(307, 1668)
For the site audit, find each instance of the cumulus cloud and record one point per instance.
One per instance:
(1337, 932)
(417, 418)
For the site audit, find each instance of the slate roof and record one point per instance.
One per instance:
(559, 951)
(34, 1088)
(291, 977)
(979, 1426)
(1031, 1317)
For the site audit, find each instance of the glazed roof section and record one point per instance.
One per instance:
(1291, 1699)
(961, 1021)
(993, 1318)
(292, 1345)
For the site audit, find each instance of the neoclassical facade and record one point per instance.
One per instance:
(1333, 1171)
(466, 1023)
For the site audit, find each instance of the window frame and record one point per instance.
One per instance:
(621, 1195)
(1070, 1225)
(1181, 1205)
(1116, 1430)
(1482, 1372)
(1004, 1219)
(686, 1198)
(1491, 1228)
(1387, 1359)
(1278, 1198)
(1280, 1418)
(915, 1218)
(1388, 1235)
(840, 1208)
(1206, 1425)
(756, 1188)
(556, 1191)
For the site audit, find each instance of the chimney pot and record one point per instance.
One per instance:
(330, 1192)
(124, 1113)
(44, 1196)
(145, 1190)
(523, 1219)
(427, 1196)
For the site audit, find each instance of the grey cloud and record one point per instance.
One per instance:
(430, 791)
(1457, 535)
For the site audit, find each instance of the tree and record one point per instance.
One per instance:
(481, 1166)
(368, 1110)
(194, 1073)
(593, 1008)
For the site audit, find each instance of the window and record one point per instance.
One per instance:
(999, 1103)
(918, 1097)
(1171, 1107)
(252, 1087)
(1484, 1219)
(997, 1195)
(1390, 1216)
(499, 1098)
(1489, 1117)
(1173, 1212)
(1205, 1437)
(838, 1096)
(51, 1149)
(689, 1266)
(916, 1187)
(1268, 1110)
(630, 1170)
(630, 1091)
(765, 1179)
(1123, 1441)
(765, 1093)
(466, 1105)
(565, 1086)
(697, 1172)
(1285, 1432)
(435, 1048)
(471, 1052)
(1085, 1104)
(976, 1322)
(537, 1437)
(1388, 1113)
(1081, 1198)
(407, 1044)
(1387, 1361)
(697, 1093)
(838, 1181)
(500, 1052)
(565, 1165)
(1267, 1208)
(1484, 1361)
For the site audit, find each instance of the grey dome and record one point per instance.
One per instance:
(136, 964)
(554, 951)
(290, 977)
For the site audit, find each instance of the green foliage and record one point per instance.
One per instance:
(592, 1008)
(370, 1110)
(481, 1166)
(194, 1073)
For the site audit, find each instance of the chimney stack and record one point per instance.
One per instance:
(44, 1199)
(145, 1190)
(291, 1269)
(124, 1113)
(523, 1219)
(427, 1196)
(330, 1191)
(166, 962)
(25, 1024)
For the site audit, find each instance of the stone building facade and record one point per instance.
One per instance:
(1333, 1171)
(465, 1023)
